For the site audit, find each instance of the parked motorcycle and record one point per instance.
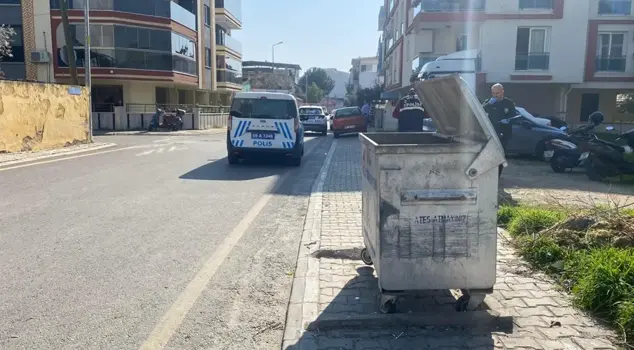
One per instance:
(607, 159)
(564, 153)
(171, 121)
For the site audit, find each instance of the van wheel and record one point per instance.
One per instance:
(296, 161)
(233, 160)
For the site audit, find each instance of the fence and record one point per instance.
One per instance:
(121, 120)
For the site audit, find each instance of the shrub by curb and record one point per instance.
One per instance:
(600, 277)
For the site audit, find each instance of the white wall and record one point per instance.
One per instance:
(567, 38)
(42, 24)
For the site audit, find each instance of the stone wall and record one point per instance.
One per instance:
(36, 116)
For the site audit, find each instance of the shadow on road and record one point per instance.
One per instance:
(349, 318)
(251, 168)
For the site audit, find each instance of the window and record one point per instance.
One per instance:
(611, 52)
(536, 4)
(264, 108)
(364, 68)
(207, 16)
(207, 57)
(461, 42)
(615, 7)
(531, 50)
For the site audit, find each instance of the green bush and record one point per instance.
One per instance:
(528, 221)
(601, 280)
(505, 214)
(542, 252)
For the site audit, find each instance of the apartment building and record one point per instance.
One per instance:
(143, 53)
(363, 73)
(554, 57)
(11, 15)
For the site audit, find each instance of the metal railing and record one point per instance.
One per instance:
(532, 61)
(449, 6)
(151, 108)
(610, 64)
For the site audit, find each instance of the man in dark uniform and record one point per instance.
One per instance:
(410, 113)
(499, 108)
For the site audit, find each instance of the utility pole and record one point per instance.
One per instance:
(87, 66)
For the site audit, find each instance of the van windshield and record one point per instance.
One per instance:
(263, 108)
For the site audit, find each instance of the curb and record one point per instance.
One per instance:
(303, 306)
(489, 320)
(54, 155)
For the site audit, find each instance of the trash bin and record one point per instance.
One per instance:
(430, 200)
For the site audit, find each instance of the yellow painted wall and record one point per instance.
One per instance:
(37, 116)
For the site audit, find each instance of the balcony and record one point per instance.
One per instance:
(229, 79)
(382, 17)
(156, 8)
(615, 7)
(532, 61)
(229, 13)
(437, 6)
(181, 15)
(228, 43)
(419, 61)
(610, 64)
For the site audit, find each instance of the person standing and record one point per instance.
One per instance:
(410, 113)
(499, 108)
(365, 109)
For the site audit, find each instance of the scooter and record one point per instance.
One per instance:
(564, 153)
(607, 159)
(170, 121)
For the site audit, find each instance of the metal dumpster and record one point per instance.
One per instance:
(430, 200)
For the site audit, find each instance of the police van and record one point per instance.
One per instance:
(264, 123)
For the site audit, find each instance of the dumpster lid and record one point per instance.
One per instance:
(455, 110)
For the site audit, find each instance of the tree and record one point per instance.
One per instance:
(369, 94)
(315, 94)
(319, 77)
(6, 33)
(70, 52)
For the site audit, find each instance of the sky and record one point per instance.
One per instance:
(315, 33)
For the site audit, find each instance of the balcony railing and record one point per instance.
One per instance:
(611, 64)
(615, 7)
(419, 61)
(229, 42)
(182, 16)
(532, 61)
(449, 6)
(232, 6)
(229, 76)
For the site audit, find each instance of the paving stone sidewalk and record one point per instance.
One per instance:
(542, 317)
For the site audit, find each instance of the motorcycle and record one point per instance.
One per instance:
(564, 153)
(172, 121)
(607, 159)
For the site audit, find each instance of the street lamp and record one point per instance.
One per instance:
(273, 52)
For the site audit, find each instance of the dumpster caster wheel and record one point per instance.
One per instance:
(365, 256)
(462, 303)
(387, 304)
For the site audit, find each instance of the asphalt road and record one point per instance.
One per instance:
(159, 242)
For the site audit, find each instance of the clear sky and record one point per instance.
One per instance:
(316, 33)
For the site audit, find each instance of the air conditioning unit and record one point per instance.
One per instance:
(40, 57)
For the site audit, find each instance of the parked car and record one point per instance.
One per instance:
(524, 113)
(530, 136)
(348, 120)
(314, 119)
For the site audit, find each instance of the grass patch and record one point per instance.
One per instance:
(591, 253)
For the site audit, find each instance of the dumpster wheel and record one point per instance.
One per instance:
(365, 256)
(387, 304)
(469, 301)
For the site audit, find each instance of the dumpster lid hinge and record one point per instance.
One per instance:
(488, 158)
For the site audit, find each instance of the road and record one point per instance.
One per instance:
(156, 242)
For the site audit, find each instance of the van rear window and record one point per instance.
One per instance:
(263, 108)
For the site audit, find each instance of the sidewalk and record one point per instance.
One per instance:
(7, 159)
(334, 298)
(160, 133)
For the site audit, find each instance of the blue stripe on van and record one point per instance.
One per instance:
(235, 134)
(280, 128)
